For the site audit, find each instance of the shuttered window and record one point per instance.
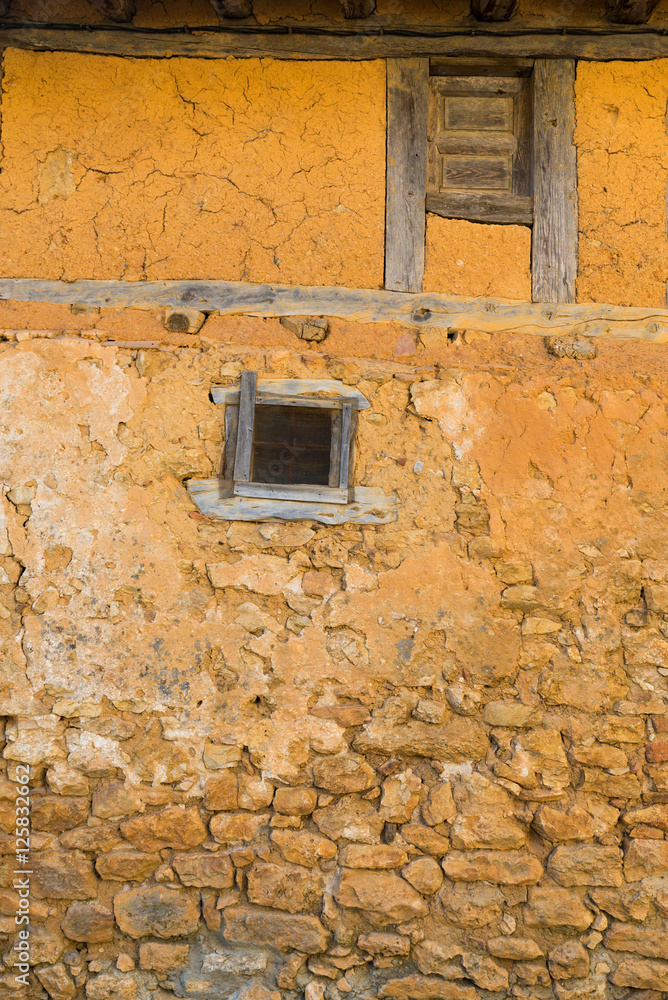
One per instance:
(479, 145)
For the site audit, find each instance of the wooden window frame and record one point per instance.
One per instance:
(307, 393)
(554, 249)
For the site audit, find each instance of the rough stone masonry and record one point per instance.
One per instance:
(425, 760)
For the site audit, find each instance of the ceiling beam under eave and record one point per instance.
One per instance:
(353, 9)
(629, 11)
(121, 11)
(233, 8)
(494, 10)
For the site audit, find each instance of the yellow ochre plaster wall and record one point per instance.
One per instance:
(468, 258)
(252, 170)
(622, 173)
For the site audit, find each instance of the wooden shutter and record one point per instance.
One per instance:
(479, 146)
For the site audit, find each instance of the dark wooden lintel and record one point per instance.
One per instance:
(488, 42)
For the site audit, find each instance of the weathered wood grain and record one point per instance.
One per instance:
(504, 208)
(554, 251)
(407, 102)
(245, 420)
(323, 390)
(493, 10)
(285, 491)
(387, 41)
(214, 498)
(418, 311)
(629, 11)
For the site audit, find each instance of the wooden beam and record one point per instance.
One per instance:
(233, 8)
(554, 246)
(406, 173)
(357, 8)
(494, 10)
(451, 41)
(120, 11)
(418, 312)
(629, 11)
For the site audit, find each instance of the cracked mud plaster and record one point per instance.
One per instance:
(622, 174)
(223, 721)
(469, 258)
(252, 169)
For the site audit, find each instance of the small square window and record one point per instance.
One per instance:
(284, 442)
(289, 455)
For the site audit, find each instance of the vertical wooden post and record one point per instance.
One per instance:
(407, 98)
(554, 257)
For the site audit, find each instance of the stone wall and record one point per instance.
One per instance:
(420, 760)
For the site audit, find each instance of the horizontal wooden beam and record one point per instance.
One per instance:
(417, 311)
(488, 42)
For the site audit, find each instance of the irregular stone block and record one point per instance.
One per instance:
(57, 982)
(508, 714)
(255, 792)
(586, 865)
(642, 974)
(440, 806)
(656, 815)
(236, 963)
(89, 922)
(157, 911)
(550, 906)
(279, 930)
(162, 958)
(569, 960)
(401, 795)
(458, 740)
(63, 875)
(425, 988)
(98, 839)
(127, 866)
(645, 858)
(433, 958)
(557, 825)
(630, 902)
(344, 772)
(514, 949)
(426, 839)
(487, 827)
(293, 888)
(114, 800)
(500, 867)
(295, 801)
(472, 905)
(384, 898)
(484, 972)
(57, 813)
(352, 818)
(172, 827)
(382, 943)
(205, 869)
(303, 847)
(424, 874)
(372, 856)
(111, 986)
(651, 942)
(229, 828)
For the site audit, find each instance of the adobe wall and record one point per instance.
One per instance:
(421, 759)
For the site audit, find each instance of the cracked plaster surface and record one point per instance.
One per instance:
(254, 170)
(468, 258)
(622, 174)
